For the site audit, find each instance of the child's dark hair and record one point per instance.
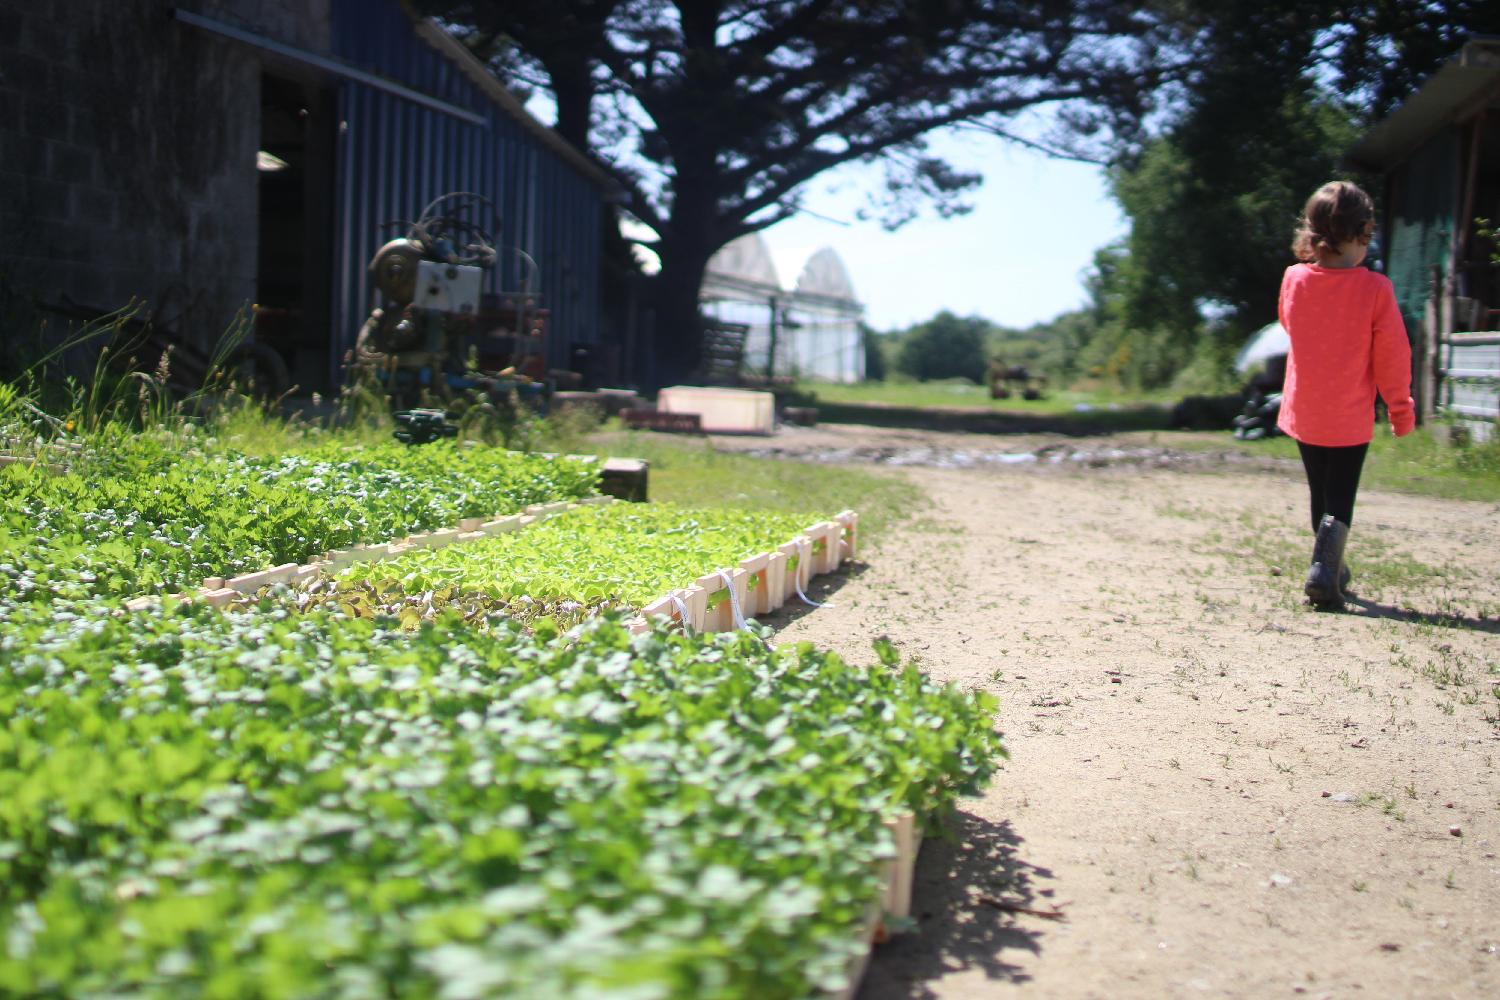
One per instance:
(1337, 213)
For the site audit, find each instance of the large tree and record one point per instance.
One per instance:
(713, 114)
(1277, 93)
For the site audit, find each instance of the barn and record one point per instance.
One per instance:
(224, 161)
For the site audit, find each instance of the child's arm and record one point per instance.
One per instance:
(1391, 356)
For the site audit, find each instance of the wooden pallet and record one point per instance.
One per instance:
(656, 420)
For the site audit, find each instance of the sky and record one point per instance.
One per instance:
(1017, 259)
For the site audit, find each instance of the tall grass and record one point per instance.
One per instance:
(48, 414)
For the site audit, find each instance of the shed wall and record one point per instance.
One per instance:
(127, 161)
(1424, 192)
(128, 166)
(394, 157)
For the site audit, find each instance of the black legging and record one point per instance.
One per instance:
(1332, 479)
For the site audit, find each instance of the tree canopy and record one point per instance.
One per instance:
(946, 346)
(713, 115)
(1278, 91)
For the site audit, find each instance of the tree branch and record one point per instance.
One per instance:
(1050, 151)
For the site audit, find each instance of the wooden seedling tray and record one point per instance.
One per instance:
(777, 579)
(897, 876)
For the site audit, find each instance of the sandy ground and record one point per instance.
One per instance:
(1224, 792)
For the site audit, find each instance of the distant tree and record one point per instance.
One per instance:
(713, 114)
(1062, 341)
(1211, 222)
(946, 346)
(875, 367)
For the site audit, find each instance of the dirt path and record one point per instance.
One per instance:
(1226, 793)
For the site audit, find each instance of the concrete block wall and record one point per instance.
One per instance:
(127, 159)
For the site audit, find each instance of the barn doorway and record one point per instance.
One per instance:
(295, 166)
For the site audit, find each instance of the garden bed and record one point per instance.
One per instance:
(569, 566)
(333, 773)
(244, 804)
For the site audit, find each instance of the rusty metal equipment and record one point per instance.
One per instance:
(433, 329)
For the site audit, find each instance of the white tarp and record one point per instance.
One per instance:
(1269, 341)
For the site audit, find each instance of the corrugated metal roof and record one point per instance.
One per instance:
(1463, 86)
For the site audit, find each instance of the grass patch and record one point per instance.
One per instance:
(1421, 463)
(1378, 565)
(693, 473)
(963, 406)
(960, 393)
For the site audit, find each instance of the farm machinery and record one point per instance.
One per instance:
(1014, 380)
(433, 333)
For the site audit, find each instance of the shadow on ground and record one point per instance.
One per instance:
(1371, 609)
(1078, 424)
(822, 590)
(955, 931)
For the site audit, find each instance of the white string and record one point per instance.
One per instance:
(807, 600)
(682, 609)
(805, 549)
(734, 600)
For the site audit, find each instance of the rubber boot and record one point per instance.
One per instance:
(1344, 577)
(1325, 577)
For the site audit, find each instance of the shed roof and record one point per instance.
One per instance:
(825, 274)
(745, 263)
(431, 32)
(1465, 84)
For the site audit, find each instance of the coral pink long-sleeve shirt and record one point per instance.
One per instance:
(1348, 340)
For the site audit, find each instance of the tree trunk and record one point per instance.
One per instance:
(678, 339)
(574, 93)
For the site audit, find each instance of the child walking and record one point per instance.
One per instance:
(1348, 341)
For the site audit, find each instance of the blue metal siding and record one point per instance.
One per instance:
(395, 156)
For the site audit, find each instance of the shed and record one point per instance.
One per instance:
(205, 157)
(828, 345)
(1439, 159)
(810, 330)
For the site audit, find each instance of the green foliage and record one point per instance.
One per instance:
(946, 346)
(1484, 230)
(270, 805)
(1053, 348)
(1212, 207)
(633, 553)
(1213, 197)
(1427, 462)
(1431, 461)
(140, 513)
